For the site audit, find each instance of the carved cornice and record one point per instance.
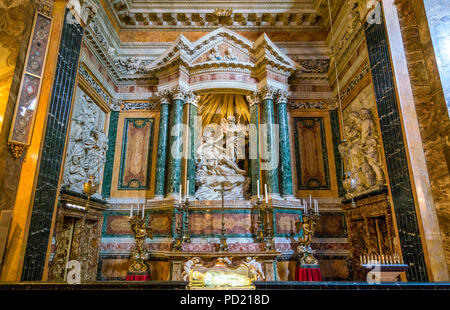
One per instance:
(199, 15)
(353, 83)
(93, 83)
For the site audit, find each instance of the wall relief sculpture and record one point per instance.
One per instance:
(87, 145)
(217, 167)
(362, 154)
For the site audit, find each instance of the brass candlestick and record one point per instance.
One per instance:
(270, 246)
(139, 254)
(186, 235)
(177, 242)
(261, 216)
(223, 247)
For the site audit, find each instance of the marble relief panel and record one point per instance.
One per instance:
(87, 143)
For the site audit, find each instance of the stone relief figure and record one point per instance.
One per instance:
(214, 54)
(87, 146)
(254, 267)
(229, 55)
(217, 171)
(362, 153)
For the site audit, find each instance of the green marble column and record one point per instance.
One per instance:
(162, 148)
(270, 163)
(254, 145)
(175, 144)
(191, 162)
(284, 145)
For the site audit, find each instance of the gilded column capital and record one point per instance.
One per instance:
(164, 97)
(267, 92)
(178, 93)
(282, 97)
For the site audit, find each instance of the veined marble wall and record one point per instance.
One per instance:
(438, 13)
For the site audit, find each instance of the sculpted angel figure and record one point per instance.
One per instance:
(255, 268)
(188, 266)
(212, 155)
(235, 136)
(214, 54)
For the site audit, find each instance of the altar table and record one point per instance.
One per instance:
(308, 273)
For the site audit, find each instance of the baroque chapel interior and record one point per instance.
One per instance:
(224, 144)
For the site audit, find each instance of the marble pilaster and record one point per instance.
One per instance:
(162, 146)
(285, 154)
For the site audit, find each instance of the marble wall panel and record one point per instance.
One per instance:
(311, 153)
(136, 154)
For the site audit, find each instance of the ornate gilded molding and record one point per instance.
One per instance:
(44, 7)
(318, 105)
(139, 105)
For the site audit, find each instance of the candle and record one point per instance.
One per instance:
(257, 187)
(131, 211)
(316, 206)
(180, 195)
(187, 189)
(265, 189)
(310, 204)
(143, 206)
